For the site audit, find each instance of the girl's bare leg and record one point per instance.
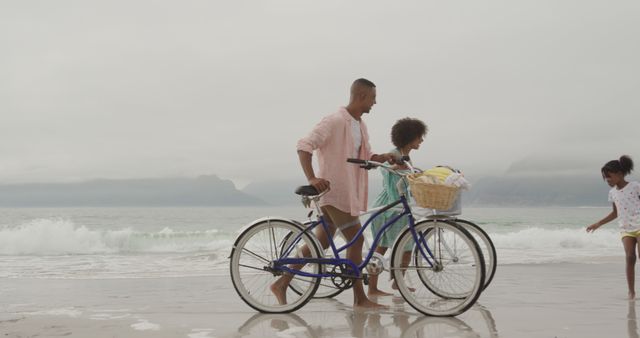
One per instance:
(373, 279)
(629, 244)
(638, 249)
(406, 257)
(279, 287)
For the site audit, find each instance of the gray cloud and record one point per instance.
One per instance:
(152, 89)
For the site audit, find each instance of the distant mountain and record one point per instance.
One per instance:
(276, 192)
(281, 192)
(202, 191)
(507, 190)
(564, 190)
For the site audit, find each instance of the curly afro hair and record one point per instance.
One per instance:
(406, 130)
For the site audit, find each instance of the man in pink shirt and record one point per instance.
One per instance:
(337, 137)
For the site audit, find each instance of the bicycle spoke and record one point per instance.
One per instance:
(251, 267)
(255, 255)
(273, 243)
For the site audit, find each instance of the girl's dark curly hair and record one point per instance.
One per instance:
(406, 130)
(624, 165)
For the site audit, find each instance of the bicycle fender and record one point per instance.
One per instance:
(295, 223)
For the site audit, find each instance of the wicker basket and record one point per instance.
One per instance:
(432, 195)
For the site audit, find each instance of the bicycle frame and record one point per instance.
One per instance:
(337, 260)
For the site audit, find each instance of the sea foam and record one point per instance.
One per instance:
(540, 245)
(62, 237)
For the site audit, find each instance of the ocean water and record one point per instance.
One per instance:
(169, 242)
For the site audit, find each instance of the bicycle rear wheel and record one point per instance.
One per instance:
(487, 247)
(253, 271)
(448, 278)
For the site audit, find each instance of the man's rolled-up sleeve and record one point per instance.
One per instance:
(317, 137)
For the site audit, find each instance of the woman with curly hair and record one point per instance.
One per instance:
(406, 135)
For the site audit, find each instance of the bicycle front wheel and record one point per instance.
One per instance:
(445, 275)
(253, 271)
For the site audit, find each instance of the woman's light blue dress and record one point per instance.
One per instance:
(388, 195)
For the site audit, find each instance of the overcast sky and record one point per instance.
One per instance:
(129, 89)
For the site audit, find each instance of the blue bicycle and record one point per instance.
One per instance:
(444, 276)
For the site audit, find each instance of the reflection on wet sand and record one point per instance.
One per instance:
(340, 320)
(632, 324)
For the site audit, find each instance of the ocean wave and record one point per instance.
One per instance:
(56, 237)
(539, 245)
(62, 237)
(557, 238)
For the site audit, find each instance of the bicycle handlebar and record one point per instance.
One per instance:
(369, 164)
(356, 160)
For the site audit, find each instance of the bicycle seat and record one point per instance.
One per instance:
(307, 190)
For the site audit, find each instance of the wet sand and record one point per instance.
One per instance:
(545, 300)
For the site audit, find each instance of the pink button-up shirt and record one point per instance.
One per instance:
(332, 139)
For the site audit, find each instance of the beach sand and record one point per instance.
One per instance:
(545, 300)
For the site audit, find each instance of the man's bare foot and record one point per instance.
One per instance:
(366, 303)
(632, 295)
(279, 290)
(378, 293)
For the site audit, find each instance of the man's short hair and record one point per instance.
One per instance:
(361, 86)
(363, 82)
